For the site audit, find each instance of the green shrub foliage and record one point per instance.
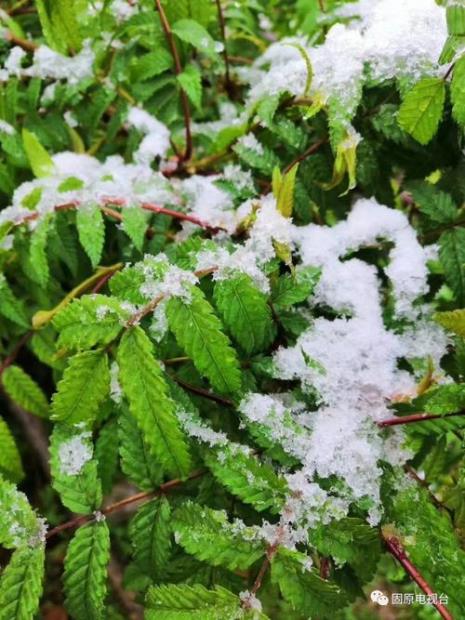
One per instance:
(232, 289)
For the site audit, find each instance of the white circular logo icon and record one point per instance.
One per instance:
(378, 597)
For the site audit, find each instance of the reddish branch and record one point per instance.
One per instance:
(310, 151)
(416, 417)
(225, 50)
(117, 506)
(147, 206)
(178, 70)
(395, 548)
(10, 359)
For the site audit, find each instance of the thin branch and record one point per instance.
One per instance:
(25, 44)
(416, 417)
(147, 206)
(178, 70)
(310, 151)
(270, 553)
(117, 506)
(203, 392)
(394, 547)
(10, 359)
(221, 19)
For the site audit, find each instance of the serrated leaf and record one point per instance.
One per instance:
(171, 602)
(191, 82)
(243, 475)
(106, 453)
(442, 399)
(454, 321)
(135, 225)
(84, 386)
(245, 312)
(198, 332)
(40, 161)
(38, 253)
(10, 460)
(283, 190)
(74, 471)
(21, 584)
(150, 533)
(19, 524)
(24, 391)
(457, 91)
(295, 288)
(91, 229)
(430, 541)
(452, 255)
(435, 204)
(150, 65)
(208, 535)
(149, 402)
(304, 589)
(85, 574)
(421, 109)
(349, 540)
(136, 460)
(91, 320)
(190, 31)
(11, 307)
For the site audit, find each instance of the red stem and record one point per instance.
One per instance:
(416, 417)
(147, 206)
(127, 501)
(14, 354)
(178, 70)
(395, 548)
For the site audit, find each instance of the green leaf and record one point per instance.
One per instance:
(136, 460)
(11, 307)
(304, 589)
(209, 536)
(198, 332)
(191, 82)
(150, 533)
(243, 475)
(186, 602)
(85, 574)
(194, 33)
(19, 524)
(434, 203)
(135, 225)
(245, 312)
(10, 459)
(106, 453)
(455, 19)
(74, 471)
(442, 399)
(24, 391)
(150, 65)
(283, 190)
(349, 540)
(457, 91)
(454, 321)
(38, 253)
(60, 23)
(452, 255)
(294, 288)
(40, 161)
(84, 386)
(421, 110)
(21, 584)
(149, 402)
(91, 320)
(91, 229)
(432, 546)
